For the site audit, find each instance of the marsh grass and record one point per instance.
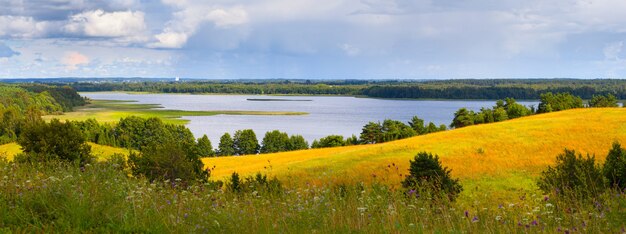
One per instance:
(113, 110)
(64, 198)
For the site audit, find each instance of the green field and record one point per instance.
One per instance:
(112, 110)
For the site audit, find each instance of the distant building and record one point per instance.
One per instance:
(177, 79)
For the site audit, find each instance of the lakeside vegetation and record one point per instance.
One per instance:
(108, 111)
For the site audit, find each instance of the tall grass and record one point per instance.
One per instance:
(58, 197)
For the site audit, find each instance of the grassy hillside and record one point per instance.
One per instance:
(102, 152)
(505, 156)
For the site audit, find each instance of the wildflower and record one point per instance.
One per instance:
(545, 198)
(466, 214)
(361, 209)
(475, 219)
(498, 218)
(549, 205)
(534, 223)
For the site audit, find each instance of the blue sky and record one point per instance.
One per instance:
(308, 39)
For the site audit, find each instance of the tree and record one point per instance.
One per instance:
(499, 114)
(395, 130)
(297, 142)
(54, 141)
(418, 125)
(245, 142)
(603, 101)
(275, 141)
(427, 174)
(329, 141)
(226, 146)
(352, 140)
(167, 161)
(558, 102)
(462, 118)
(514, 109)
(431, 128)
(372, 133)
(204, 147)
(573, 175)
(614, 169)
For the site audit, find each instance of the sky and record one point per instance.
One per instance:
(313, 39)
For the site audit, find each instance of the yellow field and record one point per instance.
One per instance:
(502, 156)
(102, 152)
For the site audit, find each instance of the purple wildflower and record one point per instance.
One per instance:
(475, 219)
(545, 198)
(534, 223)
(466, 214)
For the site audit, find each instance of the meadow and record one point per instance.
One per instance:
(333, 190)
(112, 110)
(501, 158)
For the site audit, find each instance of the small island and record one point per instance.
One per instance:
(277, 100)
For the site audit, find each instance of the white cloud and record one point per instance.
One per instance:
(73, 59)
(107, 24)
(170, 40)
(21, 27)
(190, 16)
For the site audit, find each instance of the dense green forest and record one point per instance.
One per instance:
(435, 89)
(24, 102)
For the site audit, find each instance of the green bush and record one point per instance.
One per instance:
(329, 141)
(573, 176)
(603, 101)
(257, 184)
(43, 142)
(427, 174)
(615, 167)
(169, 161)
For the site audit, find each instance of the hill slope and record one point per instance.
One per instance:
(102, 152)
(506, 155)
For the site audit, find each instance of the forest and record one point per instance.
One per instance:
(522, 89)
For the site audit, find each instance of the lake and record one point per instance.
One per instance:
(327, 114)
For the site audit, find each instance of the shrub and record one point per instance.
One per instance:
(615, 167)
(329, 141)
(258, 183)
(603, 101)
(427, 174)
(573, 176)
(53, 141)
(168, 161)
(558, 102)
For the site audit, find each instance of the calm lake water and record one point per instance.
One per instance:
(327, 115)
